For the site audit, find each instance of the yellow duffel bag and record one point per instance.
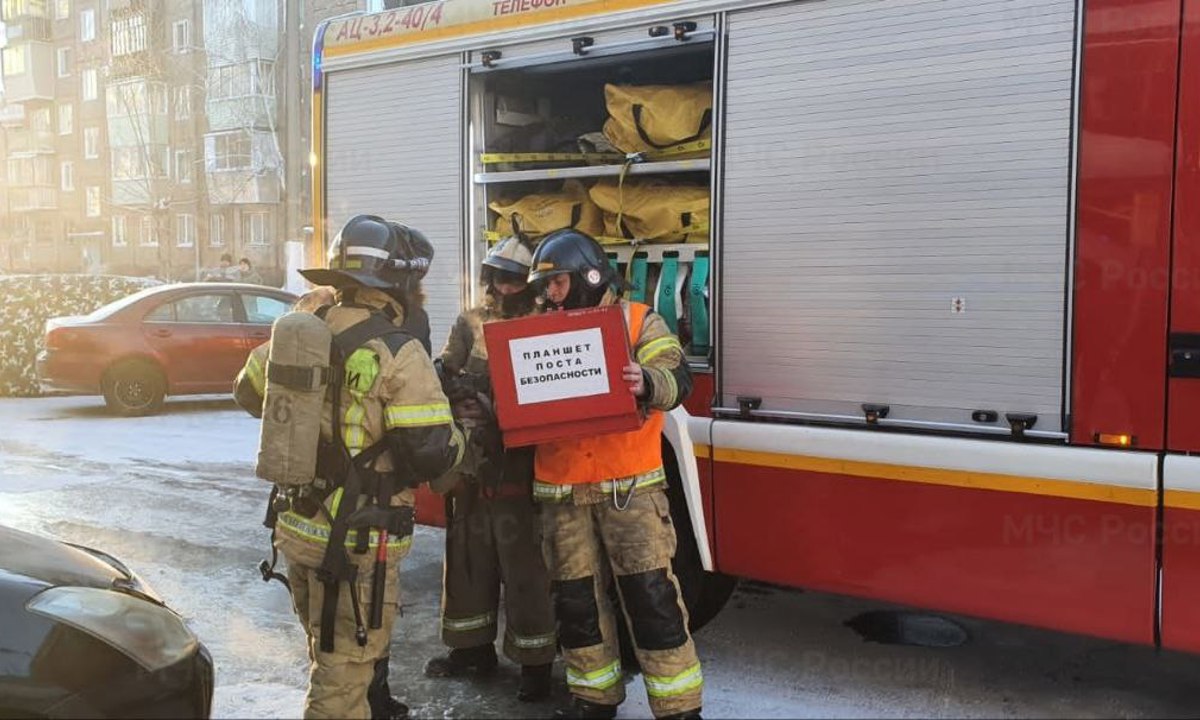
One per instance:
(542, 213)
(653, 210)
(657, 119)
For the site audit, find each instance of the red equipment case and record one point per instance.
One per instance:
(558, 375)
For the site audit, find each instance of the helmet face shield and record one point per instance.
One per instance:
(507, 265)
(507, 277)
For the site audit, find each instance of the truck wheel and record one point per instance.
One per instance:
(704, 593)
(134, 388)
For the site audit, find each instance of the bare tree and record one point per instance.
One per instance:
(145, 72)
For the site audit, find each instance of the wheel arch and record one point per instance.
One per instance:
(138, 357)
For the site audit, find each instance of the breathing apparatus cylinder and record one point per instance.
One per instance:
(298, 375)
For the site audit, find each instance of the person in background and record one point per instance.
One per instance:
(224, 272)
(247, 273)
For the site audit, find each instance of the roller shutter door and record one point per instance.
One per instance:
(393, 148)
(896, 207)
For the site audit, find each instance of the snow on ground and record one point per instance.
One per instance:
(175, 497)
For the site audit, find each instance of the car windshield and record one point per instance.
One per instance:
(116, 306)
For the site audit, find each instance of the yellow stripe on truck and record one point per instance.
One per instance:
(1079, 490)
(1181, 499)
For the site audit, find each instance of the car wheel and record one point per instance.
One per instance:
(704, 593)
(134, 388)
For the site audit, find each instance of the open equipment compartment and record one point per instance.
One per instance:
(537, 150)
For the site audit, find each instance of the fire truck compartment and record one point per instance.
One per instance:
(896, 213)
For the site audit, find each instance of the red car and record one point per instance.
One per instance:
(166, 340)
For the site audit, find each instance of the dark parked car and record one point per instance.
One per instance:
(83, 636)
(166, 340)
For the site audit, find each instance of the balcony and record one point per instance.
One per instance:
(28, 27)
(132, 35)
(29, 199)
(28, 71)
(30, 142)
(243, 187)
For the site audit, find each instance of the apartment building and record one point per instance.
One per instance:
(34, 220)
(149, 137)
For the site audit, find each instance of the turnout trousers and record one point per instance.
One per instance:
(338, 681)
(492, 542)
(586, 545)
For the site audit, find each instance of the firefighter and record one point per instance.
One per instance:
(491, 537)
(605, 511)
(384, 426)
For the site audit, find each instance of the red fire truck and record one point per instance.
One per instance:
(945, 319)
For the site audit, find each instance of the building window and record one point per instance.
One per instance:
(216, 231)
(136, 97)
(181, 36)
(118, 231)
(184, 162)
(159, 99)
(91, 143)
(13, 58)
(67, 170)
(128, 35)
(64, 62)
(231, 151)
(93, 201)
(31, 171)
(183, 102)
(91, 89)
(87, 25)
(32, 8)
(127, 163)
(234, 81)
(62, 9)
(224, 82)
(254, 228)
(66, 119)
(40, 119)
(149, 232)
(140, 163)
(263, 75)
(185, 230)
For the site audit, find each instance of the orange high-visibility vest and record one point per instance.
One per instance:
(605, 457)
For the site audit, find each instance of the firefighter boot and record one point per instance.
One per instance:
(379, 696)
(535, 683)
(580, 709)
(478, 660)
(688, 715)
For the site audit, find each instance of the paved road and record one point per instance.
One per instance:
(175, 497)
